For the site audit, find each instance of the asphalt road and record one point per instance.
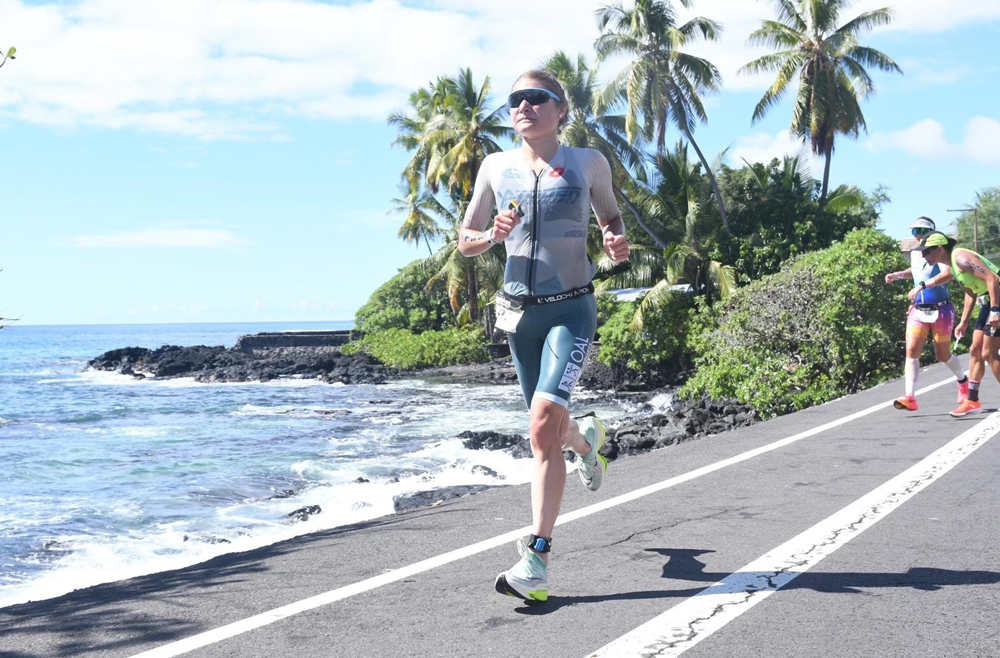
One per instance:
(889, 545)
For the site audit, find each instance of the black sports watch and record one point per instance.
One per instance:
(995, 309)
(923, 284)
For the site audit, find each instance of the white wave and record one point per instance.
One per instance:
(85, 561)
(399, 453)
(294, 411)
(662, 402)
(107, 378)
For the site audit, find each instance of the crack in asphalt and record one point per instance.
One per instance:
(774, 580)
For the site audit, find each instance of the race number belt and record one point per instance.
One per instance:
(931, 307)
(528, 300)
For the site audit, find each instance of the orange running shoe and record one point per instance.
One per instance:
(963, 391)
(906, 403)
(967, 408)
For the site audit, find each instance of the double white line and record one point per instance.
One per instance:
(688, 623)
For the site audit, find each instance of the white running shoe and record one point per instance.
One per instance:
(594, 464)
(528, 579)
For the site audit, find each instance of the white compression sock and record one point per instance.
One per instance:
(910, 372)
(955, 368)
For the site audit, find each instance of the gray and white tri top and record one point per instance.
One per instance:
(547, 250)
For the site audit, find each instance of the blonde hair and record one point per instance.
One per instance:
(546, 80)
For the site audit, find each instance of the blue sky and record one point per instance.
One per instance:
(229, 160)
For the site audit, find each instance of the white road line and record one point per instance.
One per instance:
(688, 623)
(263, 619)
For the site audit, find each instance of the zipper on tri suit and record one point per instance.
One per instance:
(534, 232)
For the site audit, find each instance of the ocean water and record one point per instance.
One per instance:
(105, 477)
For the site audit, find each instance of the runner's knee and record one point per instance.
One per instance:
(548, 425)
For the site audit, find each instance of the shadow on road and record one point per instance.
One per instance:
(136, 614)
(683, 565)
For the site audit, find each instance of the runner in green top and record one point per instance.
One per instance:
(981, 279)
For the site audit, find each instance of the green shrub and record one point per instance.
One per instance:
(403, 349)
(825, 326)
(403, 302)
(663, 337)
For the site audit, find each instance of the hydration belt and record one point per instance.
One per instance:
(528, 300)
(930, 307)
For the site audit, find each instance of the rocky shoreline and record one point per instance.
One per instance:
(221, 364)
(644, 430)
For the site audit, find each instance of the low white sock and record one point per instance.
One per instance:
(955, 367)
(911, 370)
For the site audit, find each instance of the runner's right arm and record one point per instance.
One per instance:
(474, 237)
(899, 276)
(970, 302)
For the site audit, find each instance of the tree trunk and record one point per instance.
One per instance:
(638, 218)
(714, 183)
(826, 182)
(473, 291)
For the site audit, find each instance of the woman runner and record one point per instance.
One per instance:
(544, 193)
(932, 312)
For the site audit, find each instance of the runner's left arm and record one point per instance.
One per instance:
(609, 218)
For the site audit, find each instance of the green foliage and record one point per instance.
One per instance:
(607, 305)
(662, 338)
(823, 327)
(773, 215)
(402, 349)
(403, 302)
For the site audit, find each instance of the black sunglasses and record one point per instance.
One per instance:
(924, 252)
(533, 96)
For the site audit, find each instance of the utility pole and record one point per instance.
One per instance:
(975, 224)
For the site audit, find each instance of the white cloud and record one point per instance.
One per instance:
(763, 147)
(159, 238)
(933, 72)
(926, 139)
(931, 15)
(236, 69)
(242, 67)
(740, 18)
(982, 140)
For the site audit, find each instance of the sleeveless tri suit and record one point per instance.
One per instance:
(976, 286)
(932, 310)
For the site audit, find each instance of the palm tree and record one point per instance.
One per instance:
(450, 132)
(421, 209)
(672, 201)
(830, 64)
(477, 279)
(588, 128)
(662, 83)
(427, 104)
